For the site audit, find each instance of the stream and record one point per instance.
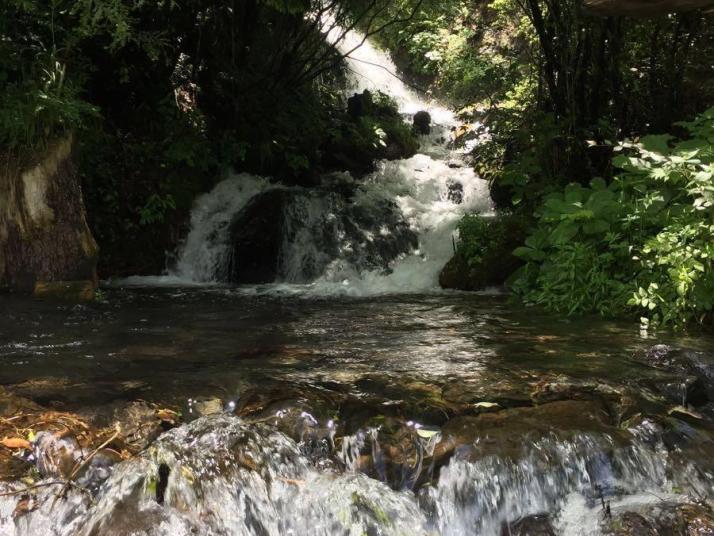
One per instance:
(424, 413)
(352, 396)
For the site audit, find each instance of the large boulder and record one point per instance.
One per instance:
(360, 104)
(256, 238)
(44, 236)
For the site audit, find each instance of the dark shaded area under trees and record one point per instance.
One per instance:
(164, 97)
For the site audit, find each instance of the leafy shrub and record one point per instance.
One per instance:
(484, 251)
(644, 242)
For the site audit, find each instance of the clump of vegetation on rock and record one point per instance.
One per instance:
(484, 252)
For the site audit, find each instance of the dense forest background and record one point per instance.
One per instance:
(600, 128)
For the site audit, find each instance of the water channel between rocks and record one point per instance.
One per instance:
(424, 414)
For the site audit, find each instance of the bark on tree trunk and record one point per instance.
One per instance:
(44, 234)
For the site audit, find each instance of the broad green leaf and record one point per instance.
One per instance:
(658, 143)
(598, 184)
(596, 227)
(564, 232)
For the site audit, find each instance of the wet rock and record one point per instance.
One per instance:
(463, 134)
(360, 104)
(695, 382)
(56, 455)
(74, 291)
(422, 123)
(687, 362)
(505, 432)
(140, 423)
(201, 407)
(11, 404)
(60, 456)
(455, 193)
(664, 519)
(633, 524)
(621, 402)
(353, 146)
(256, 238)
(394, 451)
(685, 390)
(61, 392)
(506, 392)
(98, 469)
(535, 525)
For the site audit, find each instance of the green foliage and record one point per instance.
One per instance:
(155, 209)
(482, 238)
(453, 45)
(378, 132)
(484, 251)
(474, 238)
(644, 242)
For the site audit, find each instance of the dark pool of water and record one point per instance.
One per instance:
(169, 344)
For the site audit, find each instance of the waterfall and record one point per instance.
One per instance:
(393, 233)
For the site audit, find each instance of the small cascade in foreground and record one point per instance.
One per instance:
(392, 232)
(225, 476)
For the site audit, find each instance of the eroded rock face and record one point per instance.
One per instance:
(535, 525)
(43, 229)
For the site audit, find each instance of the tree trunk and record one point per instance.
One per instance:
(44, 235)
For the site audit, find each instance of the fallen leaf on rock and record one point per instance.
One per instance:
(15, 443)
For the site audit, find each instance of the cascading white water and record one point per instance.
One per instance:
(326, 249)
(228, 477)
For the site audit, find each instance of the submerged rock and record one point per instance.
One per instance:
(694, 383)
(535, 525)
(505, 432)
(76, 291)
(664, 519)
(679, 360)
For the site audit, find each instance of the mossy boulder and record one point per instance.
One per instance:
(484, 254)
(372, 129)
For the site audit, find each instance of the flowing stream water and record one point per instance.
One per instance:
(354, 397)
